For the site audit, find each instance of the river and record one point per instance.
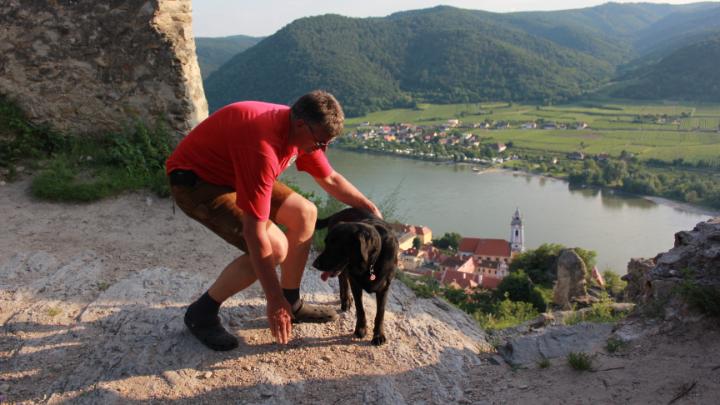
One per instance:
(453, 198)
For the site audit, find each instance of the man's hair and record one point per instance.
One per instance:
(320, 108)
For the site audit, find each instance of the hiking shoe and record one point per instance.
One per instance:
(212, 334)
(314, 313)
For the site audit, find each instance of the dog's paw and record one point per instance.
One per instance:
(378, 340)
(360, 332)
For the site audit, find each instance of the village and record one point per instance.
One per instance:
(477, 263)
(430, 141)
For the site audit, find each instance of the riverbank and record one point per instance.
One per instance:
(701, 209)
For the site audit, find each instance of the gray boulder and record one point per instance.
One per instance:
(570, 286)
(555, 341)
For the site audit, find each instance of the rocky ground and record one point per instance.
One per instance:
(91, 304)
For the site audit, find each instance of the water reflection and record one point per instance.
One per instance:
(617, 200)
(584, 191)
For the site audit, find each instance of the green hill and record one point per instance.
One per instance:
(445, 55)
(439, 55)
(689, 73)
(214, 52)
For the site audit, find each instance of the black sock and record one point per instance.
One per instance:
(292, 296)
(204, 309)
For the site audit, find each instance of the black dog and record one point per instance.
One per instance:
(362, 250)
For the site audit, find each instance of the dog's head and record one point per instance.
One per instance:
(349, 246)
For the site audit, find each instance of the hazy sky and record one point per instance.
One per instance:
(217, 18)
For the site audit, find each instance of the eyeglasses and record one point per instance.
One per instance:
(318, 143)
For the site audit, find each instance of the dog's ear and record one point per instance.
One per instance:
(364, 241)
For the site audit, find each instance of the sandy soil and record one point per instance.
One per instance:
(91, 304)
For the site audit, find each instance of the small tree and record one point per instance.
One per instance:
(518, 287)
(450, 240)
(417, 243)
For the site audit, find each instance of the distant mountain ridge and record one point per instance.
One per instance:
(444, 54)
(214, 52)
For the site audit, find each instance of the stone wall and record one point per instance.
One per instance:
(86, 66)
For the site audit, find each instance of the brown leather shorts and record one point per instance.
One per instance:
(214, 206)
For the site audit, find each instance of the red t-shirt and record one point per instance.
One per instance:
(244, 146)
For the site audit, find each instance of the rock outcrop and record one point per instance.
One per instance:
(694, 262)
(88, 67)
(68, 337)
(638, 280)
(571, 285)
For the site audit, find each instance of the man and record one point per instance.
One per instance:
(224, 175)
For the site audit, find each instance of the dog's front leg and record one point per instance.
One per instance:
(361, 325)
(345, 298)
(378, 330)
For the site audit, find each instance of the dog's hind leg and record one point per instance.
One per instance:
(378, 330)
(345, 298)
(361, 324)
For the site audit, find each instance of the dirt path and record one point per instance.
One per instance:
(91, 304)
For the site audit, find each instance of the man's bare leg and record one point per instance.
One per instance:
(201, 316)
(299, 216)
(239, 274)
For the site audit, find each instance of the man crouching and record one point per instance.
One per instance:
(224, 175)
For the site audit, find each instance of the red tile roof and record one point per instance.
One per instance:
(485, 247)
(464, 280)
(490, 283)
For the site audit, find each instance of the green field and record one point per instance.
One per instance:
(660, 131)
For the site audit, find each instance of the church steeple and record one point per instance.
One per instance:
(517, 239)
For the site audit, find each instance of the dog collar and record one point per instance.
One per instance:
(372, 268)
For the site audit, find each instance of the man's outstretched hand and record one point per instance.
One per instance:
(279, 315)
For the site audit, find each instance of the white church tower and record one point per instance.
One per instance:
(517, 239)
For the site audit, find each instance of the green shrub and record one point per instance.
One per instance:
(600, 312)
(614, 285)
(614, 344)
(543, 363)
(507, 314)
(517, 286)
(89, 169)
(579, 361)
(19, 139)
(703, 298)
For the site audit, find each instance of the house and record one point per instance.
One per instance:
(455, 263)
(582, 125)
(458, 279)
(576, 156)
(411, 259)
(602, 157)
(492, 268)
(452, 123)
(497, 250)
(499, 147)
(408, 233)
(549, 125)
(529, 125)
(424, 234)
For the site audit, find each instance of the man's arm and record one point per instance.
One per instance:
(261, 257)
(341, 189)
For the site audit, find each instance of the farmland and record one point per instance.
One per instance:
(650, 131)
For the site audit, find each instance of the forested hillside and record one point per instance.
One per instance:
(446, 55)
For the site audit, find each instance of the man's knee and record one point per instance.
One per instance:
(279, 244)
(304, 219)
